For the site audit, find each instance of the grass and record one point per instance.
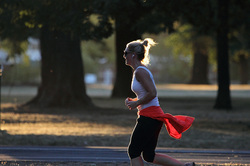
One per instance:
(112, 124)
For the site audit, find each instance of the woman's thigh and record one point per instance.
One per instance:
(145, 136)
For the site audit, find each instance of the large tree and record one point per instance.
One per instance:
(232, 16)
(198, 14)
(223, 100)
(221, 19)
(124, 14)
(211, 17)
(186, 41)
(123, 35)
(200, 61)
(62, 71)
(62, 25)
(132, 19)
(240, 37)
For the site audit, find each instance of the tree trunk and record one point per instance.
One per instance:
(243, 69)
(223, 100)
(62, 72)
(200, 64)
(122, 86)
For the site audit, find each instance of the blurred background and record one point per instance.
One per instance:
(59, 45)
(64, 79)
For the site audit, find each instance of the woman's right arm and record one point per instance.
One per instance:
(129, 99)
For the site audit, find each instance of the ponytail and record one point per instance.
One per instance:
(147, 43)
(141, 48)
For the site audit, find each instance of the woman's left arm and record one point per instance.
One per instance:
(144, 78)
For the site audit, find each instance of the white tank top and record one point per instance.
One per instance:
(140, 91)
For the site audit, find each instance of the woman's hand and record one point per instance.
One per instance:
(131, 103)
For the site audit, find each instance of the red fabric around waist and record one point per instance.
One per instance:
(175, 125)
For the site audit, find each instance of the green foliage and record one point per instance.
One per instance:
(201, 14)
(14, 47)
(13, 17)
(239, 43)
(68, 16)
(97, 53)
(19, 69)
(239, 35)
(181, 41)
(20, 19)
(94, 19)
(176, 70)
(168, 68)
(25, 72)
(185, 41)
(237, 54)
(151, 16)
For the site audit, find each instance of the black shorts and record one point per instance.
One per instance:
(144, 138)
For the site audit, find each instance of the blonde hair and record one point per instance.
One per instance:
(141, 48)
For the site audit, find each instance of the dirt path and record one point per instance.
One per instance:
(164, 90)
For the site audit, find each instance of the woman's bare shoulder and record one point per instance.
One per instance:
(141, 73)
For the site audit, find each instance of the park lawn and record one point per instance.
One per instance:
(110, 124)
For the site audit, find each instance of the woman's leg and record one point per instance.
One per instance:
(137, 142)
(144, 139)
(154, 128)
(163, 159)
(137, 161)
(149, 155)
(141, 140)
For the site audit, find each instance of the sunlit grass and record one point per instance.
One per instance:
(217, 129)
(58, 125)
(62, 129)
(179, 87)
(112, 127)
(199, 87)
(65, 129)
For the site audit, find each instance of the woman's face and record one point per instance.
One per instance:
(128, 57)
